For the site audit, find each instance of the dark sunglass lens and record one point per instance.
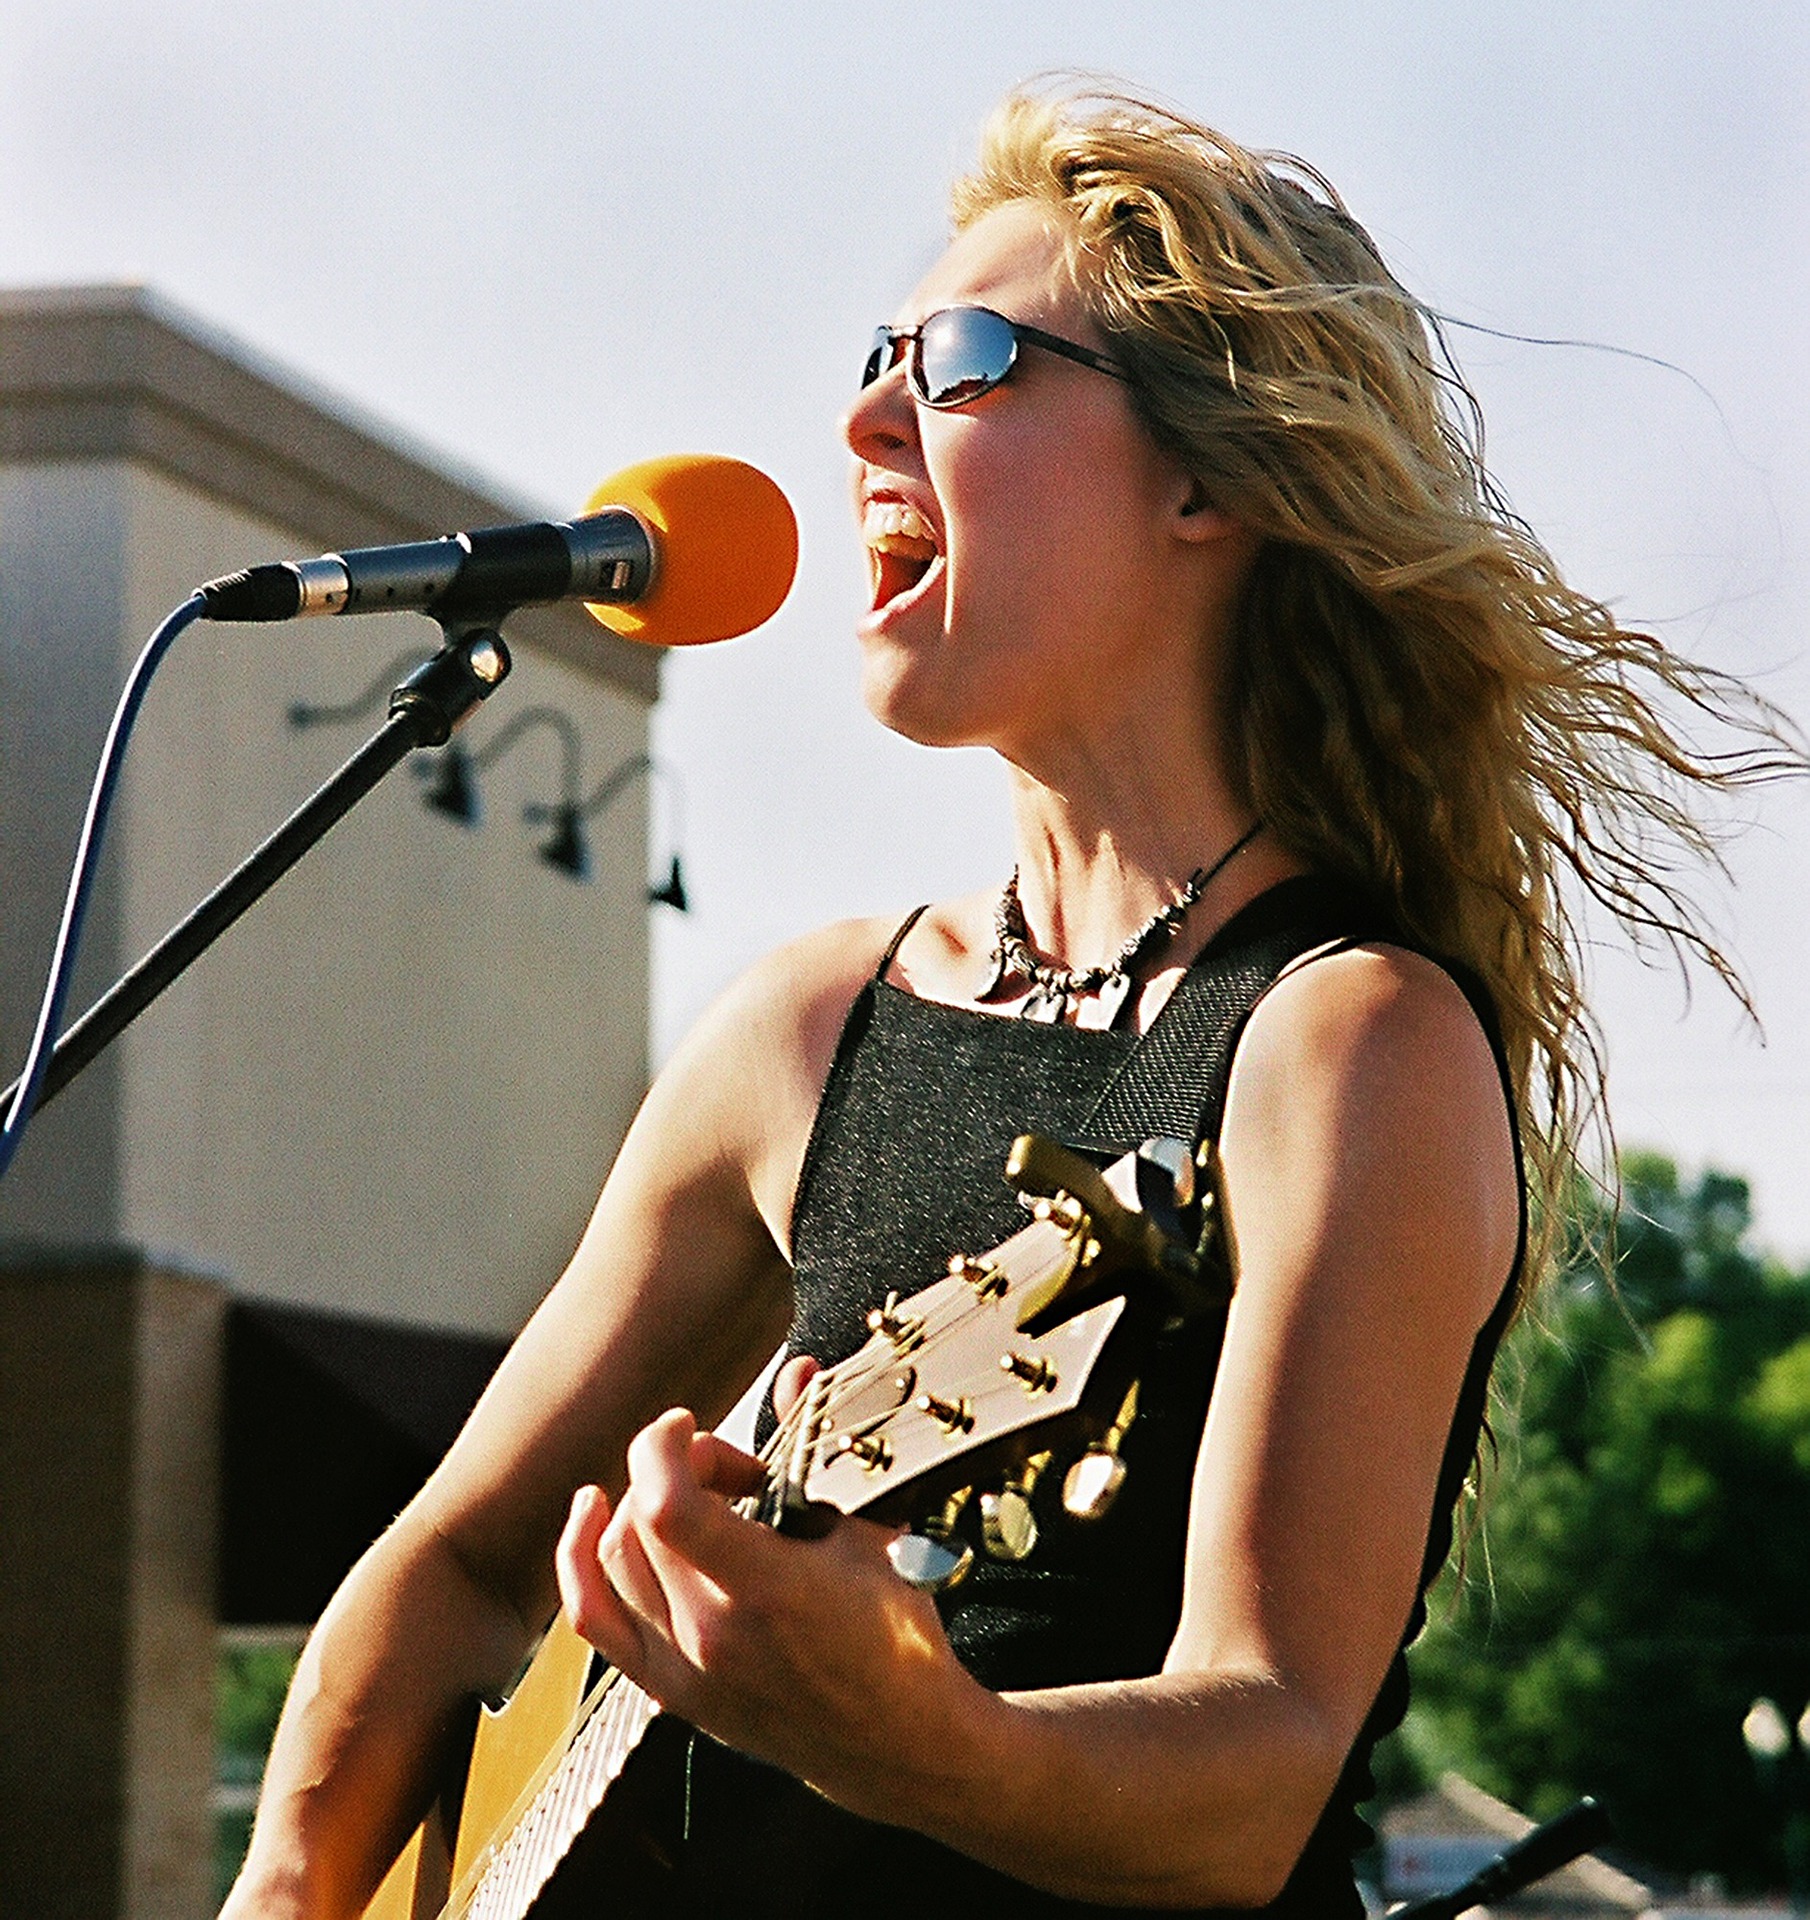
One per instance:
(880, 356)
(963, 352)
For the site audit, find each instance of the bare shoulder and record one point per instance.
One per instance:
(743, 1087)
(1366, 1090)
(787, 1010)
(1372, 1010)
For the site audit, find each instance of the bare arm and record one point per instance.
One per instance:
(678, 1290)
(1371, 1187)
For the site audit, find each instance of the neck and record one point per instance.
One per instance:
(1093, 867)
(1120, 791)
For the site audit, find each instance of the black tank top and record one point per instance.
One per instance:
(904, 1168)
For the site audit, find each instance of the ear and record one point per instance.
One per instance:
(1195, 517)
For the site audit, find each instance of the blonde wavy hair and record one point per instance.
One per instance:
(1420, 703)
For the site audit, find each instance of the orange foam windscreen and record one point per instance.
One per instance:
(727, 543)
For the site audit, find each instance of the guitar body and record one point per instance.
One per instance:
(517, 1745)
(981, 1373)
(415, 1888)
(513, 1748)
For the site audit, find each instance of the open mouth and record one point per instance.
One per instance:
(901, 549)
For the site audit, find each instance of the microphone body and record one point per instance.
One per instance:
(671, 552)
(607, 557)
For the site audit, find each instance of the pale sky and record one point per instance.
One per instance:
(547, 240)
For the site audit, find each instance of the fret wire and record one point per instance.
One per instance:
(544, 1833)
(596, 1758)
(578, 1792)
(605, 1760)
(487, 1897)
(558, 1805)
(508, 1896)
(609, 1752)
(503, 1890)
(515, 1882)
(594, 1741)
(557, 1827)
(515, 1889)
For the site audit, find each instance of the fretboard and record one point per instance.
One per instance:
(506, 1878)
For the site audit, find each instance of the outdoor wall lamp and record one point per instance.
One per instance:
(451, 786)
(568, 847)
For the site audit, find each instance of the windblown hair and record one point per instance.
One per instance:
(1419, 702)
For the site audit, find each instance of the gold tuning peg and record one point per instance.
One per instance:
(932, 1558)
(1035, 1370)
(1008, 1527)
(986, 1279)
(904, 1330)
(1092, 1484)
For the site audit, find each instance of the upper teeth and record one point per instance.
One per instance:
(887, 522)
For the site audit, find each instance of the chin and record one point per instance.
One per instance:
(909, 702)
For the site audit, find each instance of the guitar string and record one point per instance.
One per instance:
(587, 1736)
(969, 1305)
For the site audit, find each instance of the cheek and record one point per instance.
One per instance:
(1057, 483)
(1018, 513)
(1050, 560)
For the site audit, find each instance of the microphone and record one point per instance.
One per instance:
(671, 552)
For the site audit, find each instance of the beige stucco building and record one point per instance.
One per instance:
(380, 1108)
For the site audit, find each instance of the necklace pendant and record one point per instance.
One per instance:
(1052, 990)
(1111, 995)
(1046, 1004)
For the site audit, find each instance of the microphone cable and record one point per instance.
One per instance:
(81, 877)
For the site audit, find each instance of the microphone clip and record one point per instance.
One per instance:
(440, 692)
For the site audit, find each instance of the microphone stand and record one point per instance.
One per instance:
(1545, 1850)
(424, 709)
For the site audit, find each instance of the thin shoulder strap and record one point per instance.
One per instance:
(898, 940)
(854, 1026)
(1174, 1080)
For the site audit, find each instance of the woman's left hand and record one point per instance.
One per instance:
(811, 1654)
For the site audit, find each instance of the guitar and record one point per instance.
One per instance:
(1008, 1360)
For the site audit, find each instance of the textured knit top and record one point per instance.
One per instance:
(904, 1168)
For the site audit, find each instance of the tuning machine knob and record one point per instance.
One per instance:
(1167, 1184)
(904, 1330)
(932, 1559)
(1008, 1527)
(1092, 1484)
(1036, 1371)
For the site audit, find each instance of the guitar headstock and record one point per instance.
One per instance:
(1010, 1358)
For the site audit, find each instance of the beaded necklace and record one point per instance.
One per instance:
(1053, 989)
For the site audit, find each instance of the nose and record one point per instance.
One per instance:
(883, 420)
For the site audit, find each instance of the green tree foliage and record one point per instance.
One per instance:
(1643, 1571)
(249, 1685)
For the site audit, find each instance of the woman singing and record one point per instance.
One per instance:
(1171, 501)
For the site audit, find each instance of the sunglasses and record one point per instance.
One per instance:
(959, 353)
